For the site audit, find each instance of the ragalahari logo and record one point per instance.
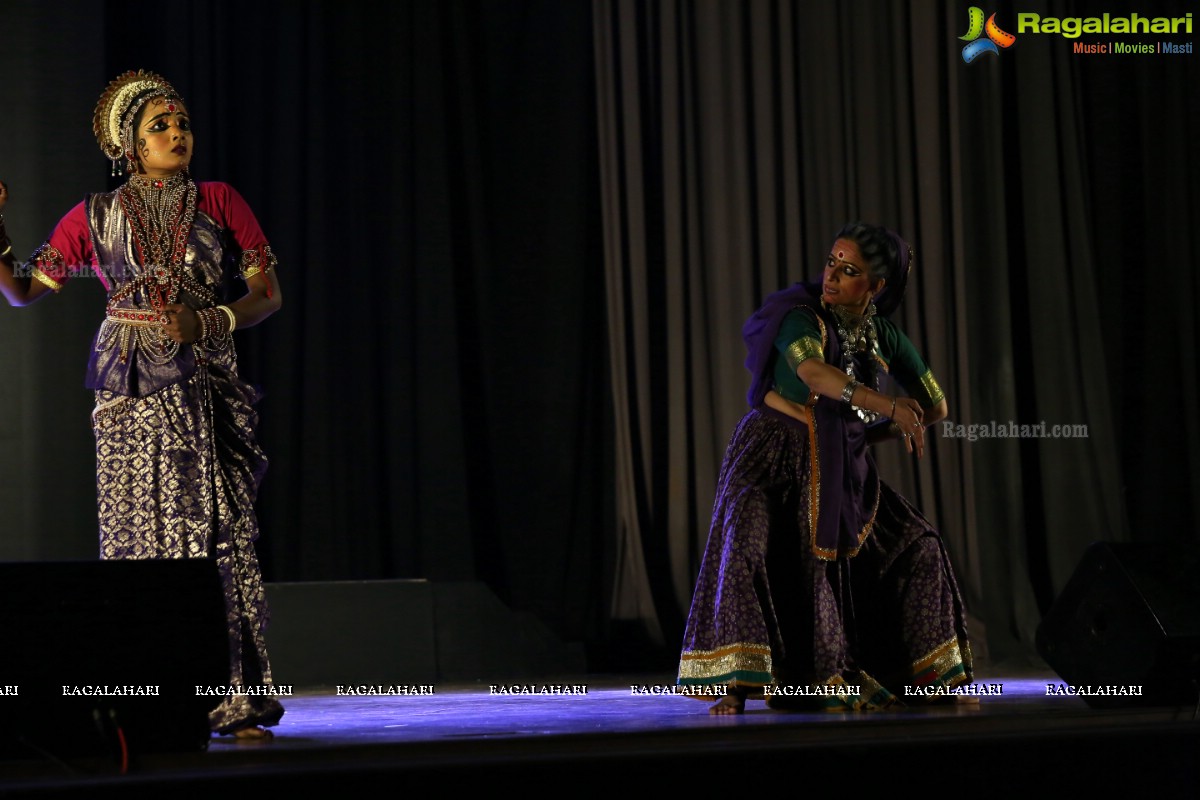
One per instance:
(976, 27)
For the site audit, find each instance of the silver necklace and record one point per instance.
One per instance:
(857, 334)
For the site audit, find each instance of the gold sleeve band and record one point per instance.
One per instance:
(46, 279)
(47, 256)
(256, 261)
(801, 350)
(933, 392)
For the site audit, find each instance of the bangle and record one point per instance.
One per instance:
(848, 392)
(210, 324)
(7, 250)
(232, 319)
(201, 317)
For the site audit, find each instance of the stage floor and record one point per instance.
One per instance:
(461, 733)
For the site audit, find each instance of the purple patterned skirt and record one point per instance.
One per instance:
(177, 474)
(769, 615)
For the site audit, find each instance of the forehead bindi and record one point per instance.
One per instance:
(846, 251)
(159, 107)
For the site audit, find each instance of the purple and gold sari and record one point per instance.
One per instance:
(819, 586)
(178, 466)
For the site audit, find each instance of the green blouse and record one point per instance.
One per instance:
(801, 337)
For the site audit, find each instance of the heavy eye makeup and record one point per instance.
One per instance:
(849, 270)
(159, 124)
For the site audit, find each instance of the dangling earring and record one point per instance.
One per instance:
(130, 164)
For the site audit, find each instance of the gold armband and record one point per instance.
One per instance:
(933, 393)
(258, 260)
(801, 350)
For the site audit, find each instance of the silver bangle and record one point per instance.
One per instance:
(848, 392)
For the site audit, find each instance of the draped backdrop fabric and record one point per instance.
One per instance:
(435, 391)
(518, 239)
(736, 138)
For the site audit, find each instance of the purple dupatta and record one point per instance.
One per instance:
(844, 485)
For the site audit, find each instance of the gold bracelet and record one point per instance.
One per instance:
(232, 319)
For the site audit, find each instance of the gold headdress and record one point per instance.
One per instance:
(113, 121)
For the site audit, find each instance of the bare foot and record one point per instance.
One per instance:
(254, 733)
(732, 703)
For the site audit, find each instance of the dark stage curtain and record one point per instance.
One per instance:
(518, 240)
(436, 401)
(1042, 190)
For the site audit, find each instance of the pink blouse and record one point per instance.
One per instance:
(69, 252)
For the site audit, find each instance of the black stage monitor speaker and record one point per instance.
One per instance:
(1128, 616)
(103, 658)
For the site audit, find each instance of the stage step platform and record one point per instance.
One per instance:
(407, 632)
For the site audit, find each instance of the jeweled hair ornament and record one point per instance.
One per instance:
(113, 119)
